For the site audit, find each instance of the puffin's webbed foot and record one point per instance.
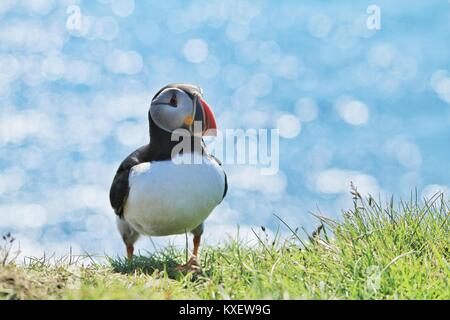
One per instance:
(191, 266)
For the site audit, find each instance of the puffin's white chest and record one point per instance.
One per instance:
(167, 198)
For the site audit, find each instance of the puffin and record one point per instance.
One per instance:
(155, 191)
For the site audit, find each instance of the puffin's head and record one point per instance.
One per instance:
(181, 106)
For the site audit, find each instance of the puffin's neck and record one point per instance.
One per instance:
(161, 144)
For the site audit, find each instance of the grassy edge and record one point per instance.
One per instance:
(375, 252)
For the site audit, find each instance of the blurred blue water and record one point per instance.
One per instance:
(73, 103)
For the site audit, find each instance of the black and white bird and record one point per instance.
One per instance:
(154, 195)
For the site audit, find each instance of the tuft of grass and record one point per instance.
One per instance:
(374, 251)
(154, 263)
(7, 254)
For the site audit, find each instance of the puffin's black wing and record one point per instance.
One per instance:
(119, 189)
(225, 189)
(205, 150)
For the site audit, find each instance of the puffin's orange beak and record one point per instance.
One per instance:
(209, 120)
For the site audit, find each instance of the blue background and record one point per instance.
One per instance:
(352, 104)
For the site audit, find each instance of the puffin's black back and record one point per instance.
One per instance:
(119, 189)
(190, 89)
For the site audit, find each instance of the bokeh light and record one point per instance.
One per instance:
(289, 126)
(349, 103)
(196, 50)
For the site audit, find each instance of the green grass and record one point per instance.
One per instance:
(373, 252)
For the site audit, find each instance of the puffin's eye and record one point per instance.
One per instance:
(173, 101)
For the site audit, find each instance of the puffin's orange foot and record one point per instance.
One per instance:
(130, 251)
(191, 266)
